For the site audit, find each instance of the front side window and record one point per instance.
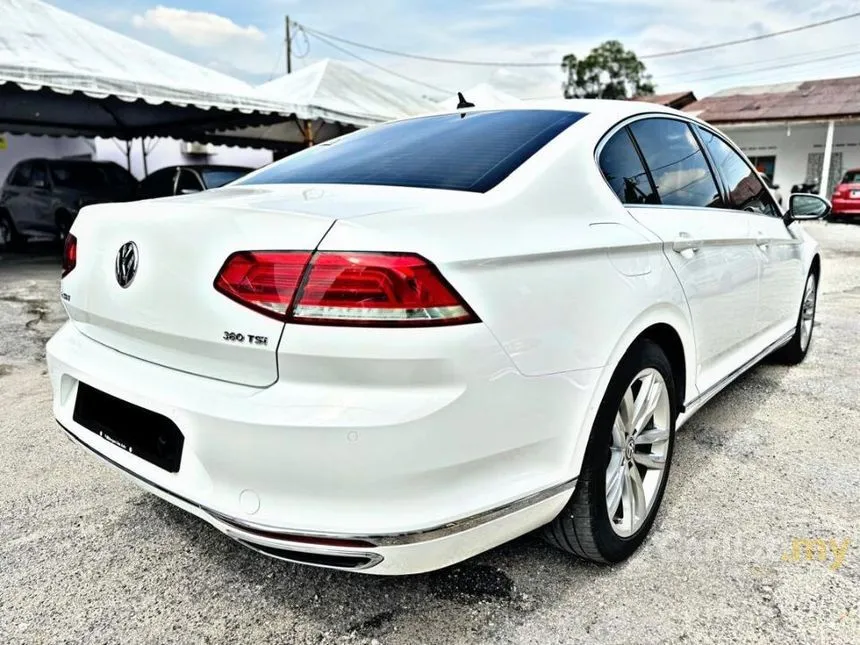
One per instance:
(623, 170)
(678, 166)
(747, 191)
(39, 176)
(217, 177)
(472, 152)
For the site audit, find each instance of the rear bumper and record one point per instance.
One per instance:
(420, 477)
(842, 206)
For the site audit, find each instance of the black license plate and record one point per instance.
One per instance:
(145, 434)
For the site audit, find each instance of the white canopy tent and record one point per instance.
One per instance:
(482, 95)
(329, 99)
(63, 75)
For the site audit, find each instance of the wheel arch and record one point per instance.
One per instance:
(669, 327)
(815, 266)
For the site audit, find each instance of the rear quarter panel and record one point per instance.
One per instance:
(550, 261)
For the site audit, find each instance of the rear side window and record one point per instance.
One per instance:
(677, 164)
(851, 177)
(474, 152)
(747, 191)
(21, 176)
(623, 169)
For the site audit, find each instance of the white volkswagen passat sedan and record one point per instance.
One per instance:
(393, 351)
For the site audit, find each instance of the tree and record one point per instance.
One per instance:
(608, 72)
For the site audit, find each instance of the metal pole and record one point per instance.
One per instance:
(289, 46)
(824, 187)
(143, 154)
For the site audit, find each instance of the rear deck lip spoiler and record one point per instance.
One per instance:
(262, 534)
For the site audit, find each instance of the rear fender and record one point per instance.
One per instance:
(665, 314)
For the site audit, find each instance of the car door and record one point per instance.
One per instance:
(16, 197)
(40, 199)
(779, 247)
(188, 182)
(161, 183)
(675, 194)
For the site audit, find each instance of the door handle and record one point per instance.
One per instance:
(685, 243)
(762, 242)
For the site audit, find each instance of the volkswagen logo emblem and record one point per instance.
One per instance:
(126, 264)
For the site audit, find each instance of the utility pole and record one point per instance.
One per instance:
(289, 47)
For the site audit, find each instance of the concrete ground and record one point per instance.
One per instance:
(85, 556)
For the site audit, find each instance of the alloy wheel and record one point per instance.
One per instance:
(807, 312)
(638, 452)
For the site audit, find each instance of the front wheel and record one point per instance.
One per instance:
(626, 463)
(797, 348)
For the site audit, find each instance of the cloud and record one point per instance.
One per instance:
(197, 28)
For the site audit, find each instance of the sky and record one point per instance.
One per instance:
(245, 38)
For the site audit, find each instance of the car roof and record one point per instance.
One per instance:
(605, 107)
(209, 166)
(81, 162)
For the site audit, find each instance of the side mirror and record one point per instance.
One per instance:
(776, 186)
(805, 206)
(40, 183)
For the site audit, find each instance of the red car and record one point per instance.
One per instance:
(846, 195)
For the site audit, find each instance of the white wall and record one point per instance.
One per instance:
(19, 147)
(792, 145)
(168, 152)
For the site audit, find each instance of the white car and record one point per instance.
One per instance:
(396, 350)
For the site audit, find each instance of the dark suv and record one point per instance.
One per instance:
(42, 197)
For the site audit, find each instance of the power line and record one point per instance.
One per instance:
(379, 67)
(756, 63)
(745, 72)
(740, 41)
(773, 67)
(676, 52)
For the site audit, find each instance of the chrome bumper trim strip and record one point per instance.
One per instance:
(247, 531)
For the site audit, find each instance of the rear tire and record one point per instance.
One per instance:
(623, 475)
(9, 237)
(798, 347)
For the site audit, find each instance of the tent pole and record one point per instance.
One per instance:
(128, 155)
(309, 133)
(143, 156)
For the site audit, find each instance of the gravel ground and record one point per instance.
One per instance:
(87, 557)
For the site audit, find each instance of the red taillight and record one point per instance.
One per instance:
(342, 288)
(263, 280)
(70, 254)
(837, 192)
(378, 289)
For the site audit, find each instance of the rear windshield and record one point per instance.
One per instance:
(473, 152)
(851, 177)
(217, 177)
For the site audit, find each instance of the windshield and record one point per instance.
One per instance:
(851, 177)
(472, 152)
(88, 176)
(217, 177)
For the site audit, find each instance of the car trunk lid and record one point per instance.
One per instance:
(168, 312)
